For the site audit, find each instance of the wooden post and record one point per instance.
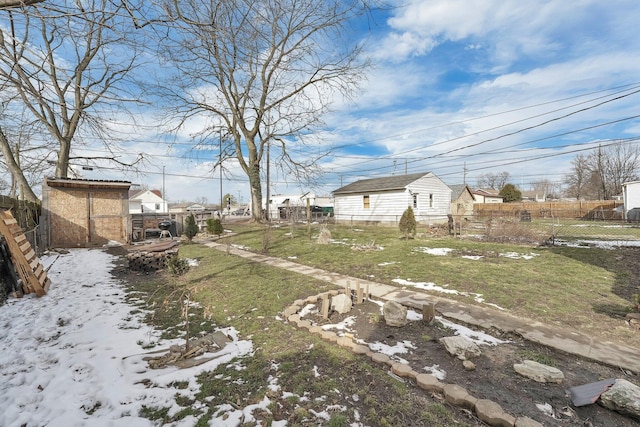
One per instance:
(428, 312)
(358, 293)
(325, 306)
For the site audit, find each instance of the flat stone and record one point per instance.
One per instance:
(404, 371)
(345, 342)
(304, 324)
(360, 349)
(312, 299)
(293, 318)
(527, 422)
(493, 414)
(315, 329)
(539, 372)
(459, 396)
(289, 311)
(461, 347)
(380, 358)
(333, 293)
(329, 336)
(429, 382)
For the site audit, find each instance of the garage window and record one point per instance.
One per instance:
(365, 202)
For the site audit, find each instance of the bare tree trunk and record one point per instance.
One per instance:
(14, 168)
(5, 4)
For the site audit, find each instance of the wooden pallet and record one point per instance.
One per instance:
(34, 277)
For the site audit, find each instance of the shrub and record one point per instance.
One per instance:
(177, 266)
(190, 227)
(214, 226)
(408, 223)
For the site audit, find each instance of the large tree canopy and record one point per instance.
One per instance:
(262, 72)
(67, 65)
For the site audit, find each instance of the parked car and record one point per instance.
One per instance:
(241, 211)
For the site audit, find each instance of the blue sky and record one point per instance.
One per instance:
(459, 88)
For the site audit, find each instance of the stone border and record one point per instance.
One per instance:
(487, 411)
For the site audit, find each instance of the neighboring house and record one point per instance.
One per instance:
(176, 208)
(147, 201)
(83, 213)
(487, 196)
(278, 202)
(461, 201)
(384, 200)
(631, 194)
(533, 196)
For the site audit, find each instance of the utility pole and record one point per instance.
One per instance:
(164, 195)
(464, 173)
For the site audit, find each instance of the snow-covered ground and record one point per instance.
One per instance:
(74, 357)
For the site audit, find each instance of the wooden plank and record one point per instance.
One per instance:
(25, 267)
(25, 247)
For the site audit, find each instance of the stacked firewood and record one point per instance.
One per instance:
(152, 257)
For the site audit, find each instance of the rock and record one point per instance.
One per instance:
(459, 396)
(461, 347)
(429, 382)
(539, 372)
(493, 414)
(623, 397)
(527, 422)
(395, 314)
(469, 365)
(404, 371)
(341, 303)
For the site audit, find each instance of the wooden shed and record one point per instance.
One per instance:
(84, 213)
(461, 201)
(383, 200)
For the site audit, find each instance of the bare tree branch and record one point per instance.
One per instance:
(264, 71)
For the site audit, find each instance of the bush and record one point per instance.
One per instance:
(190, 227)
(408, 223)
(177, 266)
(214, 226)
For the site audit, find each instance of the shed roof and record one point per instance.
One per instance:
(87, 183)
(457, 190)
(387, 183)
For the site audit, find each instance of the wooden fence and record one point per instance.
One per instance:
(593, 209)
(26, 213)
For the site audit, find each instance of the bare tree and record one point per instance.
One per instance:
(601, 173)
(494, 181)
(577, 178)
(264, 73)
(67, 65)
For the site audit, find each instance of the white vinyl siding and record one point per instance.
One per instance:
(432, 203)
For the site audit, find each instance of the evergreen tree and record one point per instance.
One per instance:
(510, 193)
(214, 226)
(190, 227)
(408, 223)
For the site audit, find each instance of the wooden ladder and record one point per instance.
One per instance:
(34, 277)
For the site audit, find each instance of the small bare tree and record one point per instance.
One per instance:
(264, 72)
(494, 181)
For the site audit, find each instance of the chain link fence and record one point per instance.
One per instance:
(525, 228)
